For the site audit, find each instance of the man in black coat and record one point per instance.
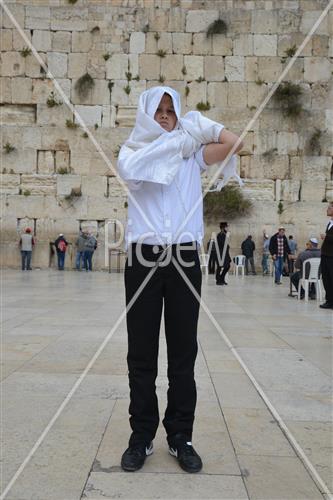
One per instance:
(279, 250)
(223, 261)
(248, 247)
(327, 260)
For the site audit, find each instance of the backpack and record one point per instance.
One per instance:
(62, 246)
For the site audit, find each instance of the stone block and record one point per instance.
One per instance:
(317, 69)
(171, 67)
(6, 90)
(177, 19)
(289, 21)
(67, 182)
(165, 42)
(264, 21)
(201, 45)
(213, 68)
(133, 64)
(265, 45)
(237, 95)
(194, 67)
(151, 43)
(77, 64)
(199, 20)
(316, 168)
(329, 191)
(158, 20)
(259, 190)
(269, 68)
(37, 17)
(329, 119)
(290, 190)
(198, 93)
(256, 94)
(21, 206)
(108, 116)
(62, 160)
(150, 66)
(238, 20)
(69, 18)
(251, 69)
(12, 64)
(243, 45)
(117, 66)
(136, 89)
(221, 45)
(9, 184)
(137, 42)
(81, 41)
(320, 45)
(18, 12)
(93, 185)
(126, 116)
(276, 168)
(234, 68)
(287, 41)
(217, 94)
(309, 18)
(45, 162)
(6, 40)
(287, 143)
(96, 66)
(38, 184)
(33, 68)
(18, 42)
(182, 43)
(57, 64)
(118, 95)
(41, 40)
(19, 161)
(53, 116)
(90, 114)
(313, 190)
(21, 90)
(41, 89)
(62, 41)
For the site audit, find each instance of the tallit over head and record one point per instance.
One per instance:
(151, 153)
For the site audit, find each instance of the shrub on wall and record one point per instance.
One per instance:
(229, 203)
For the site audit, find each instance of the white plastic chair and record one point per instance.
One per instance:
(239, 265)
(313, 276)
(204, 258)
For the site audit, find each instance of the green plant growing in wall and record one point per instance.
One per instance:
(217, 27)
(187, 90)
(184, 70)
(52, 101)
(26, 192)
(288, 96)
(72, 1)
(290, 52)
(128, 75)
(116, 151)
(74, 194)
(203, 106)
(11, 171)
(230, 202)
(314, 142)
(25, 52)
(84, 84)
(127, 90)
(106, 56)
(157, 36)
(200, 79)
(8, 148)
(125, 204)
(62, 171)
(110, 85)
(95, 30)
(280, 208)
(71, 124)
(259, 81)
(4, 170)
(137, 78)
(161, 53)
(96, 126)
(145, 29)
(161, 79)
(269, 154)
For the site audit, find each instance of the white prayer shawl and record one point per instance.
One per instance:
(152, 154)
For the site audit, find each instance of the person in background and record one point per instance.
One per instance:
(80, 246)
(279, 250)
(89, 248)
(26, 243)
(221, 238)
(248, 247)
(265, 255)
(327, 260)
(293, 249)
(311, 251)
(61, 247)
(211, 250)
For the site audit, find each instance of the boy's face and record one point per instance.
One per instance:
(165, 114)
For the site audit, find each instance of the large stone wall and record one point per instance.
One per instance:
(55, 180)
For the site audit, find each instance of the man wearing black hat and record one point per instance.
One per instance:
(327, 260)
(223, 257)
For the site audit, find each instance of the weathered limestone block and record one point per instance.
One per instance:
(221, 45)
(308, 20)
(201, 44)
(199, 20)
(118, 95)
(32, 66)
(177, 19)
(213, 68)
(266, 141)
(41, 40)
(37, 17)
(20, 206)
(278, 189)
(6, 90)
(251, 69)
(198, 93)
(276, 168)
(150, 66)
(133, 64)
(108, 116)
(289, 40)
(90, 114)
(137, 42)
(171, 67)
(165, 42)
(62, 41)
(21, 90)
(41, 89)
(9, 184)
(67, 182)
(217, 94)
(18, 41)
(6, 40)
(296, 72)
(181, 43)
(62, 160)
(249, 146)
(53, 116)
(117, 66)
(289, 21)
(265, 45)
(260, 190)
(136, 89)
(126, 116)
(313, 190)
(77, 64)
(45, 162)
(243, 45)
(38, 184)
(102, 208)
(290, 190)
(96, 66)
(287, 143)
(329, 119)
(317, 69)
(57, 64)
(94, 185)
(296, 167)
(81, 41)
(12, 64)
(194, 67)
(151, 43)
(237, 94)
(158, 20)
(19, 161)
(264, 21)
(329, 191)
(234, 68)
(320, 45)
(316, 168)
(18, 12)
(69, 18)
(269, 68)
(256, 93)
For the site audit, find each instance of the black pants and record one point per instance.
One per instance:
(181, 310)
(295, 279)
(212, 263)
(326, 264)
(220, 277)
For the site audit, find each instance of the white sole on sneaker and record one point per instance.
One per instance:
(173, 452)
(150, 450)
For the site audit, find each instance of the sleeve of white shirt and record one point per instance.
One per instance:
(198, 156)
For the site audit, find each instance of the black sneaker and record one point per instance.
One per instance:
(134, 457)
(186, 455)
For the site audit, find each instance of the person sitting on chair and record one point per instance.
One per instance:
(311, 251)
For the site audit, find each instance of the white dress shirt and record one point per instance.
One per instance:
(166, 207)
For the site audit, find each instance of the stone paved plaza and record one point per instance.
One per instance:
(55, 322)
